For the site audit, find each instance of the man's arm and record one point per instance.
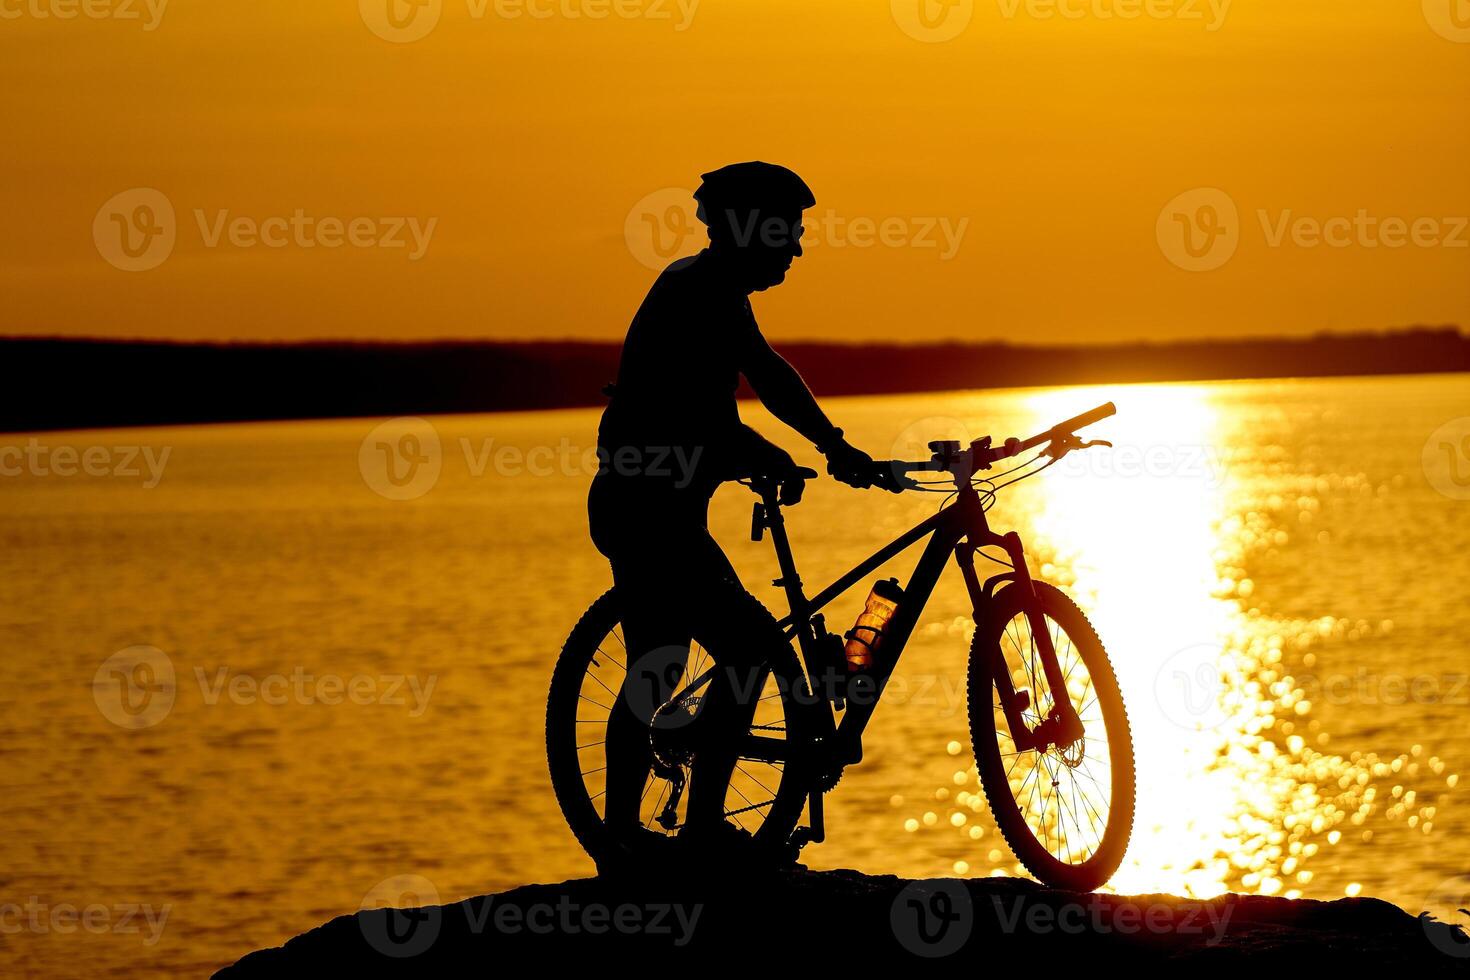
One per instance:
(782, 390)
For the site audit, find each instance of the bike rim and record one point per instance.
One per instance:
(760, 759)
(1064, 794)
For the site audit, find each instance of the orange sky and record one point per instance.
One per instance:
(1010, 181)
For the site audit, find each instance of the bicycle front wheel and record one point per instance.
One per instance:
(1067, 811)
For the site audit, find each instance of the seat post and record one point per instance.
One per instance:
(790, 580)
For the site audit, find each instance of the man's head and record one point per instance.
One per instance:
(753, 213)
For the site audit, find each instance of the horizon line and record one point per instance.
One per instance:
(1318, 335)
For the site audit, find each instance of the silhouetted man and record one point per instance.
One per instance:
(670, 435)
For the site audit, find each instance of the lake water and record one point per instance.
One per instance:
(247, 686)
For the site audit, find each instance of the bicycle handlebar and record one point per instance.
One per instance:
(947, 455)
(1070, 426)
(982, 454)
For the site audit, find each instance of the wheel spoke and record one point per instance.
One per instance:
(603, 653)
(602, 685)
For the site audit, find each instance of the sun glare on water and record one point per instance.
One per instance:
(1238, 789)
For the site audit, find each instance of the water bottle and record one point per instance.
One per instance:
(866, 634)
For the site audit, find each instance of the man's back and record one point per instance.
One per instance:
(680, 367)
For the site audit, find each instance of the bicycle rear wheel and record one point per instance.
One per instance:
(766, 790)
(1066, 812)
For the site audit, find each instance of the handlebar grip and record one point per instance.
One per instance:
(1072, 424)
(1087, 418)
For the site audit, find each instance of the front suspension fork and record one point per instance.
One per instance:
(1061, 726)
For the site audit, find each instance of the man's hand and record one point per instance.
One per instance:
(849, 464)
(792, 487)
(778, 463)
(763, 457)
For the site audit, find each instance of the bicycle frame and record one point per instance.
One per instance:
(960, 529)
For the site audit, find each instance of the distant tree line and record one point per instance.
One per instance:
(54, 383)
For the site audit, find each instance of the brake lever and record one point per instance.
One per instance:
(1060, 447)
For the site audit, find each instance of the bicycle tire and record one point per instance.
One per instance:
(996, 775)
(563, 761)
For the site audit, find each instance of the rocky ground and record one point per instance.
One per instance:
(837, 919)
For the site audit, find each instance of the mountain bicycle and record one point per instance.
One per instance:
(1047, 721)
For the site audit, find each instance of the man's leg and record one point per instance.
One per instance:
(657, 648)
(741, 636)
